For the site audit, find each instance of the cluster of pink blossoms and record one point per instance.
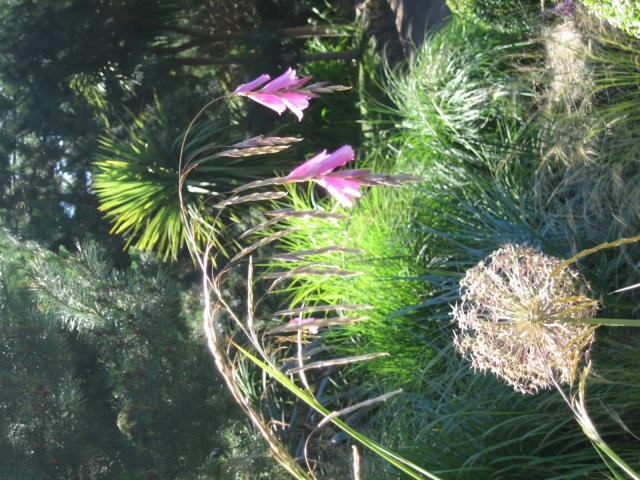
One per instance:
(344, 185)
(290, 92)
(286, 91)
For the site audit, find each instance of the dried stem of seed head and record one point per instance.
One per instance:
(279, 451)
(305, 453)
(289, 212)
(336, 361)
(356, 462)
(250, 304)
(201, 257)
(323, 308)
(578, 406)
(316, 324)
(358, 406)
(589, 251)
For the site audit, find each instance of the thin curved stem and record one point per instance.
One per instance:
(588, 251)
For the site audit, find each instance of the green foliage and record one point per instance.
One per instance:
(158, 379)
(137, 182)
(624, 14)
(137, 173)
(72, 67)
(245, 456)
(470, 126)
(588, 174)
(387, 280)
(49, 130)
(502, 15)
(48, 428)
(101, 376)
(457, 102)
(333, 120)
(466, 425)
(404, 465)
(453, 419)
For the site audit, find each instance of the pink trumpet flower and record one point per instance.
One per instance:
(286, 91)
(344, 186)
(279, 94)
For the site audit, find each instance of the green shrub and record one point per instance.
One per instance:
(136, 170)
(466, 124)
(459, 103)
(624, 14)
(503, 15)
(454, 421)
(387, 282)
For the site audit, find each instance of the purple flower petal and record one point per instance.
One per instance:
(322, 163)
(287, 79)
(287, 87)
(252, 85)
(338, 158)
(269, 100)
(348, 187)
(310, 167)
(343, 190)
(296, 102)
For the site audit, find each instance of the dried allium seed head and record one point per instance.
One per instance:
(521, 320)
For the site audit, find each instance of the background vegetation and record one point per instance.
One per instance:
(623, 15)
(104, 356)
(488, 120)
(524, 126)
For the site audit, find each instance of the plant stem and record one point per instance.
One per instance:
(613, 322)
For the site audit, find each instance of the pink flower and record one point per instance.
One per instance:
(343, 186)
(305, 324)
(323, 163)
(279, 94)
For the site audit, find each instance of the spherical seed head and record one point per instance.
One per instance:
(521, 319)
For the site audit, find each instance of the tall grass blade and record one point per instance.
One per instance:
(414, 471)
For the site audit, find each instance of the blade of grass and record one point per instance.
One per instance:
(399, 462)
